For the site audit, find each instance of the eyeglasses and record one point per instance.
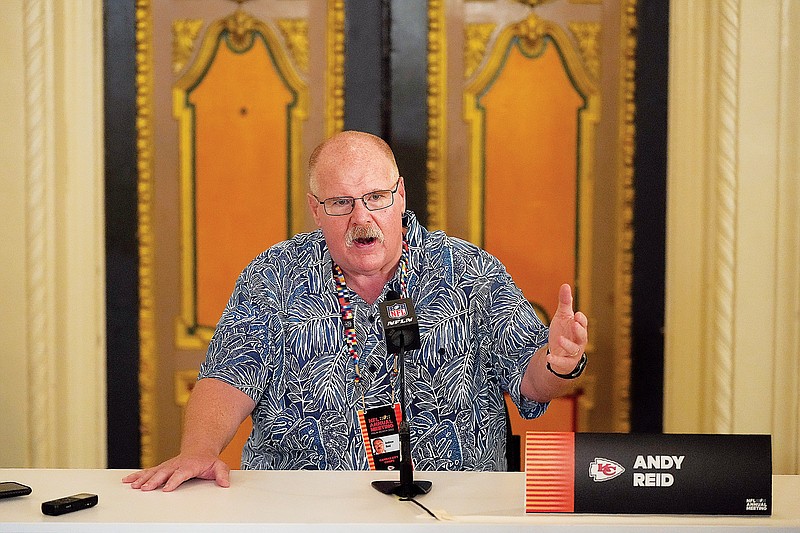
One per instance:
(373, 201)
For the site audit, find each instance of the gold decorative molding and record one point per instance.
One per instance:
(437, 116)
(145, 154)
(533, 3)
(476, 38)
(184, 33)
(334, 74)
(531, 33)
(624, 262)
(295, 33)
(588, 36)
(241, 28)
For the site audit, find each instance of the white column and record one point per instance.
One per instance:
(53, 276)
(731, 362)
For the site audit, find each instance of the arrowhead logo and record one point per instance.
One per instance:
(604, 469)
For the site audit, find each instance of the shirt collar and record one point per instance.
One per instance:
(320, 279)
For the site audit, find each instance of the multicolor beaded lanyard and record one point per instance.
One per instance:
(347, 310)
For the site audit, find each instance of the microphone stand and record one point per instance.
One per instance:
(406, 487)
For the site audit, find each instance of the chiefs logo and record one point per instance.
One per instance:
(604, 469)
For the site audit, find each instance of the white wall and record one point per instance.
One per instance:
(52, 355)
(733, 223)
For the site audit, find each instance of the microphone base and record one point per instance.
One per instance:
(416, 488)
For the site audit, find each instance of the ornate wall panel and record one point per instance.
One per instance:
(241, 109)
(230, 100)
(531, 114)
(539, 163)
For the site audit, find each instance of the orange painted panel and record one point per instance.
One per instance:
(241, 170)
(531, 158)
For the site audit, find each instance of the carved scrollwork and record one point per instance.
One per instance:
(184, 33)
(295, 34)
(588, 36)
(531, 32)
(240, 26)
(476, 38)
(533, 3)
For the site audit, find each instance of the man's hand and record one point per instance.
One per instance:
(568, 334)
(213, 414)
(181, 468)
(567, 341)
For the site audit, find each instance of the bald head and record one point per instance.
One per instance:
(348, 148)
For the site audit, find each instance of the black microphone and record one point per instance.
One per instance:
(401, 330)
(399, 323)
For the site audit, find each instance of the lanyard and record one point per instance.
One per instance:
(348, 321)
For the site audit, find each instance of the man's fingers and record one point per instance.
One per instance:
(161, 477)
(564, 301)
(222, 474)
(175, 480)
(137, 479)
(580, 335)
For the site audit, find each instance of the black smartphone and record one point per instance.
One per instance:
(76, 502)
(9, 489)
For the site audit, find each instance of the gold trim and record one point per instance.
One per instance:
(588, 36)
(437, 116)
(242, 28)
(334, 75)
(184, 33)
(533, 3)
(145, 150)
(476, 37)
(295, 33)
(624, 264)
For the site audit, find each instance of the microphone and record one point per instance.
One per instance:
(401, 330)
(399, 323)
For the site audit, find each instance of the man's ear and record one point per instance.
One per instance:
(314, 206)
(401, 191)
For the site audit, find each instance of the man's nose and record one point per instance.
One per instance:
(360, 211)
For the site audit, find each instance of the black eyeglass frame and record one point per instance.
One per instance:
(363, 199)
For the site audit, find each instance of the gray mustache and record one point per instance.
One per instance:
(363, 232)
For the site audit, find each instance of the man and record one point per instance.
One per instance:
(300, 346)
(378, 447)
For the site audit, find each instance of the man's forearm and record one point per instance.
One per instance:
(213, 414)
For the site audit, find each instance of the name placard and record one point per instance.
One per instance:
(618, 473)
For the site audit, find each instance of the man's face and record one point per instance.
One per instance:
(378, 445)
(352, 238)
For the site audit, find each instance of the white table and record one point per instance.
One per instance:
(335, 501)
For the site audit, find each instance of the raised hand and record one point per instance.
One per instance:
(568, 334)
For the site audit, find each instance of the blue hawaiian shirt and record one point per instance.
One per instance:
(281, 341)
